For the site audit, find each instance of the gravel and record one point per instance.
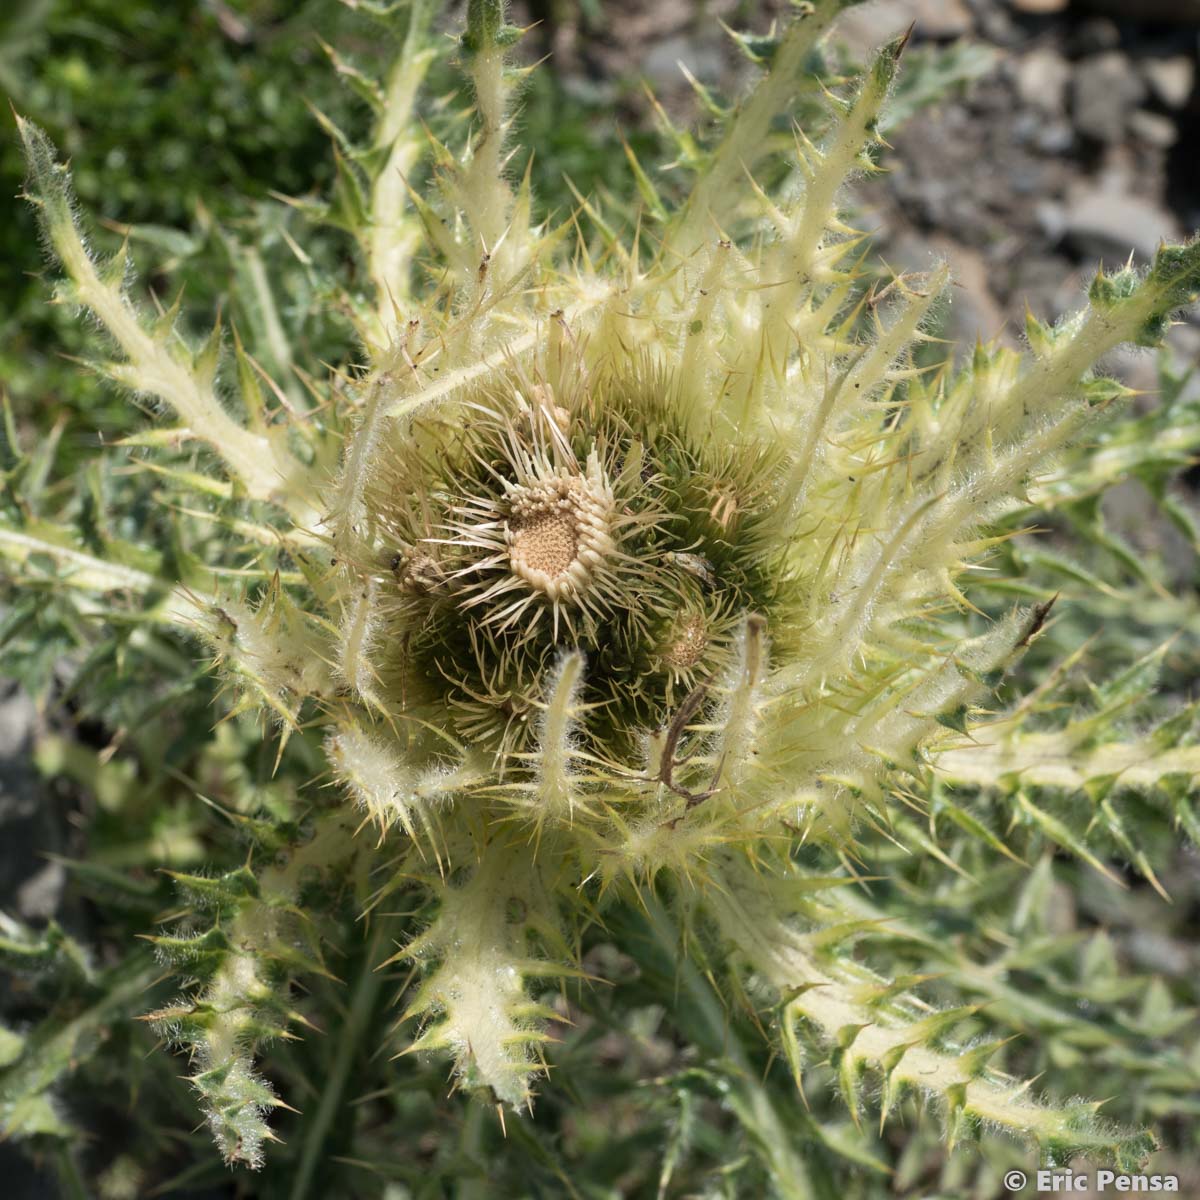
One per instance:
(1110, 225)
(1105, 90)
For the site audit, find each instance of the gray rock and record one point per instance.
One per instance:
(1042, 78)
(29, 885)
(995, 24)
(1043, 284)
(1093, 36)
(1153, 128)
(38, 897)
(865, 29)
(1171, 78)
(1110, 224)
(1158, 952)
(1055, 138)
(943, 19)
(1051, 219)
(1105, 91)
(661, 63)
(975, 313)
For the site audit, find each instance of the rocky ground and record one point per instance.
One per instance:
(1079, 144)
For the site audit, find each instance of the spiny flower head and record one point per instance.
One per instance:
(587, 519)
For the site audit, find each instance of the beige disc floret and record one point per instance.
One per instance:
(559, 529)
(551, 539)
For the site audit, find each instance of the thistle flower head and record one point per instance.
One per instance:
(648, 562)
(541, 537)
(576, 514)
(556, 533)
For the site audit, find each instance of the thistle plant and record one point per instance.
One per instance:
(650, 580)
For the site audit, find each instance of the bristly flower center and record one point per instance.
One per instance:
(589, 519)
(558, 530)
